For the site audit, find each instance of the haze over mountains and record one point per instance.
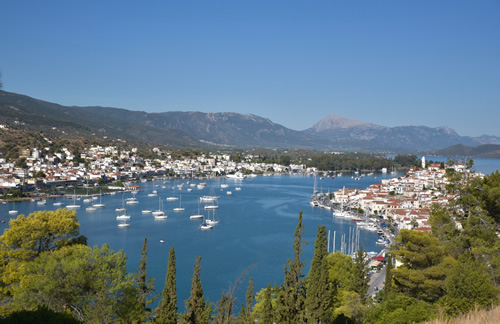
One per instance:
(226, 129)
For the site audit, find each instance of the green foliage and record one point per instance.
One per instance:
(418, 250)
(90, 283)
(319, 293)
(388, 278)
(247, 308)
(406, 160)
(349, 161)
(468, 287)
(425, 266)
(197, 309)
(351, 306)
(42, 315)
(291, 295)
(166, 312)
(400, 309)
(145, 285)
(359, 284)
(340, 270)
(28, 237)
(267, 311)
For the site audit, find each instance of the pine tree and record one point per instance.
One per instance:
(319, 296)
(388, 277)
(145, 286)
(197, 309)
(166, 312)
(246, 309)
(291, 295)
(267, 316)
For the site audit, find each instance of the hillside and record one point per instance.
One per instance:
(481, 151)
(30, 114)
(224, 129)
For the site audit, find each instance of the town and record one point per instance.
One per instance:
(99, 165)
(403, 201)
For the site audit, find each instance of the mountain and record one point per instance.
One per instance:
(222, 129)
(482, 151)
(369, 137)
(61, 121)
(225, 129)
(178, 129)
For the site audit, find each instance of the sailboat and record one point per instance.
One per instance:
(100, 204)
(13, 211)
(197, 216)
(123, 224)
(159, 214)
(212, 221)
(122, 209)
(172, 198)
(342, 212)
(74, 202)
(205, 225)
(180, 208)
(210, 198)
(123, 217)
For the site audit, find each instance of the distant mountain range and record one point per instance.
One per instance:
(232, 130)
(491, 151)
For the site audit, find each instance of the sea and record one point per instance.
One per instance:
(254, 236)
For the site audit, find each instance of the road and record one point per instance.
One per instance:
(377, 280)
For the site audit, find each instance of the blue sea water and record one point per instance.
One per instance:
(255, 232)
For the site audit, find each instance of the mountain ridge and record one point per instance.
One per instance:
(228, 129)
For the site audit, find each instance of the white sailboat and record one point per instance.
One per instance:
(123, 217)
(132, 201)
(122, 208)
(13, 211)
(172, 198)
(124, 224)
(209, 198)
(91, 208)
(100, 204)
(74, 205)
(205, 225)
(212, 221)
(197, 216)
(159, 214)
(180, 208)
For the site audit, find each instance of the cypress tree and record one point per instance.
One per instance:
(166, 312)
(145, 286)
(267, 316)
(197, 309)
(224, 312)
(360, 272)
(246, 309)
(319, 297)
(292, 293)
(388, 278)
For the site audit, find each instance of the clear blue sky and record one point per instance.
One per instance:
(391, 63)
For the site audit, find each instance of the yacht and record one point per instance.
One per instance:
(237, 175)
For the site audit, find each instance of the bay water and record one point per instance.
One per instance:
(254, 237)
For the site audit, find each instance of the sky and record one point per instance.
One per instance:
(390, 63)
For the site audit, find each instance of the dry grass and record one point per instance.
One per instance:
(491, 316)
